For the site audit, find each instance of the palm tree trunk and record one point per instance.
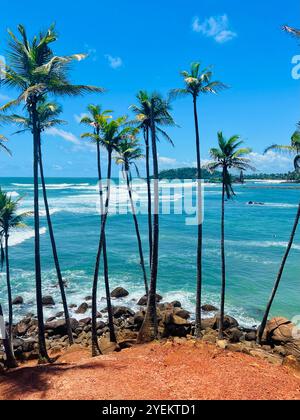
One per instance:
(105, 258)
(149, 329)
(149, 193)
(43, 355)
(200, 227)
(137, 230)
(54, 249)
(223, 288)
(9, 294)
(10, 362)
(279, 277)
(95, 347)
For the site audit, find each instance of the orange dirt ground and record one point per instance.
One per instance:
(156, 371)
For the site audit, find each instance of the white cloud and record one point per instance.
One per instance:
(216, 27)
(92, 52)
(66, 135)
(114, 62)
(271, 162)
(167, 161)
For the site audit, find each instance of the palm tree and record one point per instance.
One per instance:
(197, 82)
(48, 113)
(143, 122)
(161, 107)
(111, 134)
(292, 31)
(294, 148)
(10, 361)
(9, 219)
(228, 156)
(3, 139)
(128, 153)
(35, 71)
(95, 120)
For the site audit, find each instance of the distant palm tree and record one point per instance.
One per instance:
(128, 153)
(198, 82)
(95, 120)
(228, 156)
(34, 70)
(111, 134)
(292, 31)
(142, 121)
(161, 107)
(2, 145)
(9, 219)
(10, 361)
(48, 113)
(294, 148)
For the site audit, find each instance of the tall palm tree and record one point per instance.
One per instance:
(227, 156)
(95, 119)
(48, 113)
(35, 71)
(111, 134)
(197, 82)
(9, 219)
(3, 139)
(157, 106)
(128, 153)
(143, 121)
(10, 361)
(293, 148)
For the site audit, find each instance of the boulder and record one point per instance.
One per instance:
(82, 308)
(251, 336)
(48, 301)
(119, 292)
(207, 323)
(234, 335)
(107, 346)
(85, 321)
(229, 322)
(72, 306)
(209, 308)
(59, 327)
(18, 300)
(176, 304)
(279, 330)
(144, 300)
(182, 313)
(122, 312)
(59, 314)
(139, 318)
(88, 298)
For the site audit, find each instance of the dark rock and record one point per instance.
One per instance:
(209, 308)
(122, 311)
(99, 315)
(229, 322)
(59, 314)
(176, 304)
(18, 300)
(88, 298)
(85, 321)
(82, 308)
(51, 319)
(234, 335)
(251, 336)
(182, 313)
(119, 292)
(144, 300)
(60, 328)
(48, 301)
(139, 318)
(72, 306)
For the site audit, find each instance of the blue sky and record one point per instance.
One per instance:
(141, 45)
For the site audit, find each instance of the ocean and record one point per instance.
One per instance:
(256, 237)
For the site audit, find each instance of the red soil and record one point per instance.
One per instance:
(156, 371)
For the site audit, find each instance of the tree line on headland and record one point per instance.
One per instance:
(39, 76)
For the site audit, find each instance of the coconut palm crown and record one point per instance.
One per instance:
(293, 148)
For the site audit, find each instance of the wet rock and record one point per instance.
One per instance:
(88, 298)
(144, 300)
(51, 319)
(60, 314)
(176, 304)
(182, 313)
(48, 301)
(72, 306)
(209, 308)
(82, 308)
(122, 311)
(59, 327)
(119, 292)
(18, 300)
(85, 321)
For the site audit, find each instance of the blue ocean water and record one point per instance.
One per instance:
(256, 239)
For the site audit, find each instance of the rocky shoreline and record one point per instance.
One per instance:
(279, 344)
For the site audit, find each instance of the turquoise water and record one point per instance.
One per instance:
(256, 239)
